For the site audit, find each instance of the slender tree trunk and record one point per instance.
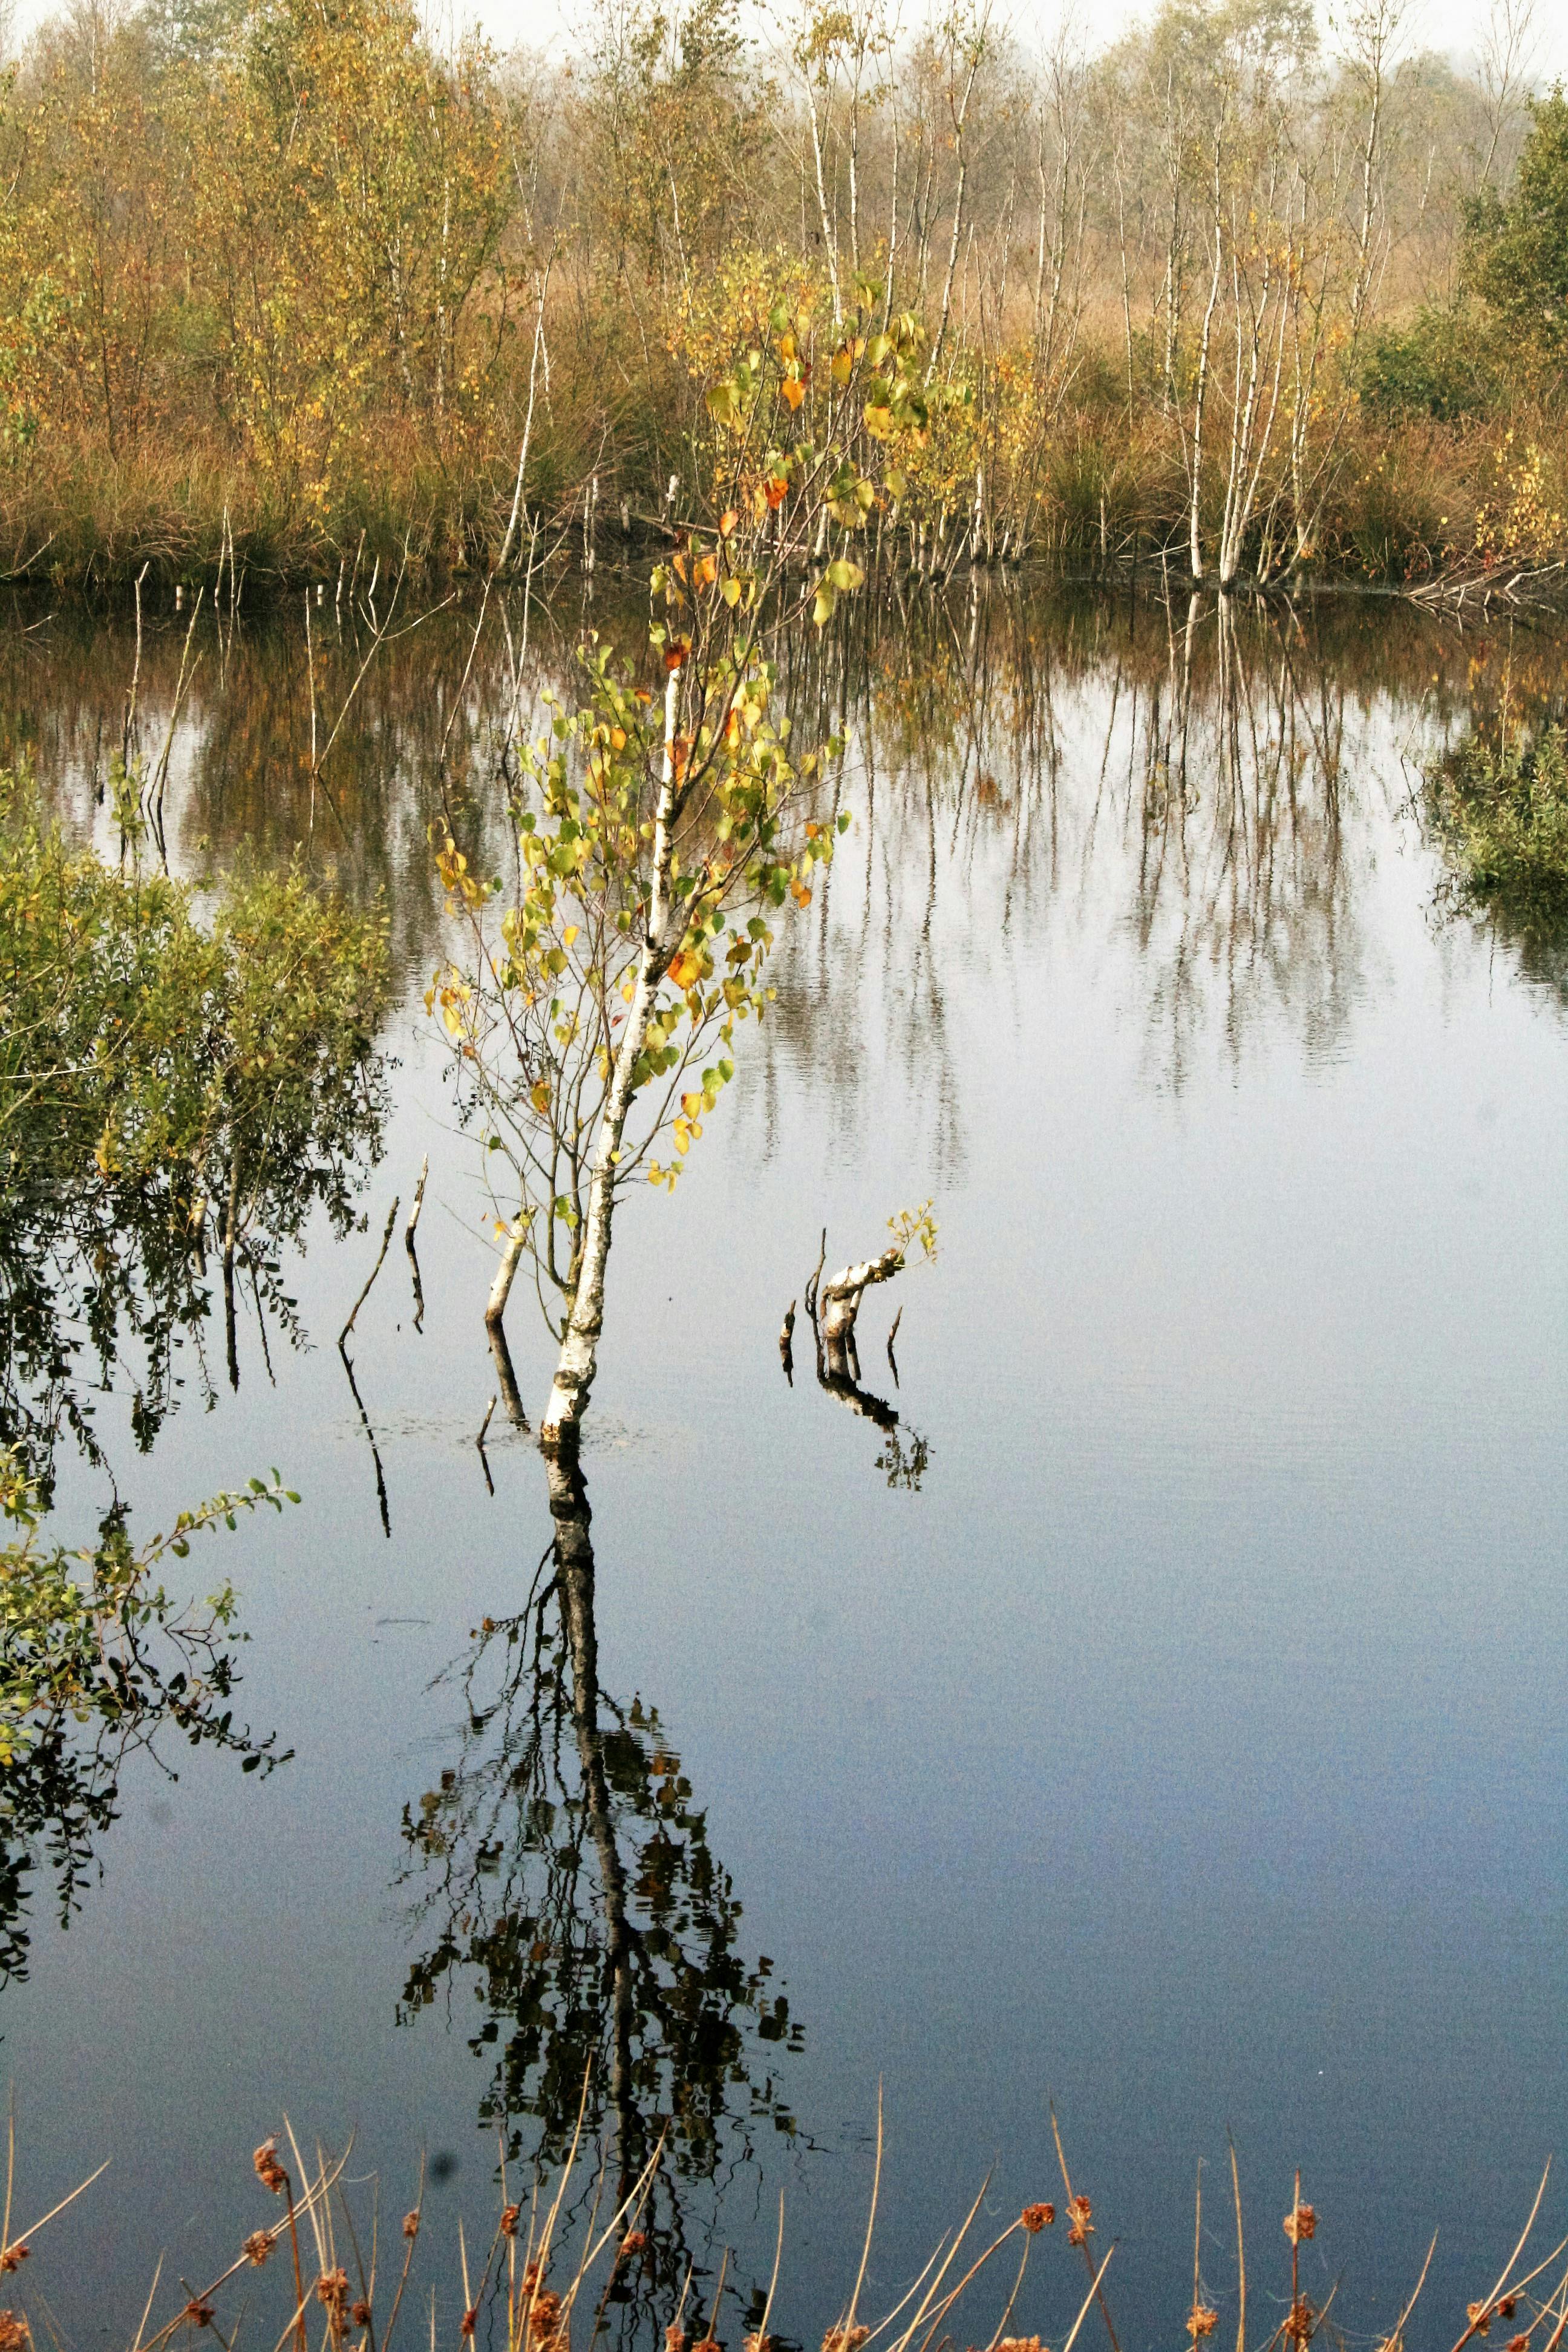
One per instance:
(829, 242)
(578, 1359)
(960, 116)
(1196, 476)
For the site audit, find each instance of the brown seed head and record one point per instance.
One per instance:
(675, 2339)
(360, 2313)
(1022, 2344)
(546, 2312)
(633, 2241)
(708, 2343)
(1082, 2229)
(411, 2225)
(760, 2344)
(1202, 2321)
(333, 2291)
(1479, 2316)
(844, 2339)
(258, 2246)
(531, 2278)
(470, 2320)
(13, 2257)
(1300, 2223)
(1506, 2306)
(510, 2216)
(1519, 2344)
(268, 2171)
(1036, 2218)
(14, 2332)
(1298, 2327)
(198, 2311)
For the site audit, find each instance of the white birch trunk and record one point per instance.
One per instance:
(578, 1361)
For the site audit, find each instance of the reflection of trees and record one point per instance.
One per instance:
(1493, 801)
(95, 1663)
(1179, 776)
(563, 1867)
(426, 727)
(102, 1281)
(1243, 895)
(1184, 774)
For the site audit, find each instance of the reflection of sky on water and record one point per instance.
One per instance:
(1188, 1747)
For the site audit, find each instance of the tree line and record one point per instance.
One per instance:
(293, 285)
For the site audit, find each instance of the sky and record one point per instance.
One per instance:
(1452, 26)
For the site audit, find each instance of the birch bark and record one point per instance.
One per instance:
(578, 1361)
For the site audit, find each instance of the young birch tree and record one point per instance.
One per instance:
(669, 822)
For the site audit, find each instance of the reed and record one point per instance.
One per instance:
(559, 2251)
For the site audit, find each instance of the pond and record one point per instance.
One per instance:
(1162, 1715)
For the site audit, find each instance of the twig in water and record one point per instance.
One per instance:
(408, 1232)
(480, 1442)
(370, 1434)
(507, 1377)
(816, 1277)
(154, 801)
(418, 1203)
(500, 1288)
(135, 680)
(376, 1269)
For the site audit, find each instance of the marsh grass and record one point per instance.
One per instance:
(561, 2253)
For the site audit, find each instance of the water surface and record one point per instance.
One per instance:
(1164, 1717)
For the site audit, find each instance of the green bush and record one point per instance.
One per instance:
(1438, 366)
(1501, 809)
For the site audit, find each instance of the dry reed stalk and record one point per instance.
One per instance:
(539, 2318)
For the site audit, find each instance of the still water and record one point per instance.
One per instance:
(1164, 1718)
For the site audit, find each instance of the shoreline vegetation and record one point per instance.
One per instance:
(294, 293)
(577, 2259)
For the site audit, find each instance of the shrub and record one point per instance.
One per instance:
(1436, 366)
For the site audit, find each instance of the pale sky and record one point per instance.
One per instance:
(1447, 25)
(549, 25)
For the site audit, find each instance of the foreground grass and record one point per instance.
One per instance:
(577, 2260)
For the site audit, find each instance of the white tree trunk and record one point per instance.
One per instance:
(578, 1361)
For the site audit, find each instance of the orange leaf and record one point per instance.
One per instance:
(727, 522)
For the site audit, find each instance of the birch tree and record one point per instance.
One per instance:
(669, 825)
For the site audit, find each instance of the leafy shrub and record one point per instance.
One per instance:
(1501, 809)
(1438, 366)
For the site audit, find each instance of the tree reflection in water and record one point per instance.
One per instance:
(562, 1866)
(106, 1280)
